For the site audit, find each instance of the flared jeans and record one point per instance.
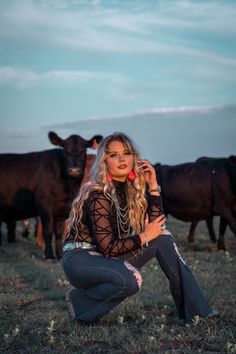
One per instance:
(101, 283)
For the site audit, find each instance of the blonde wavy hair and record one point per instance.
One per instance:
(98, 181)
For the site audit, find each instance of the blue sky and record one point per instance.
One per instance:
(75, 63)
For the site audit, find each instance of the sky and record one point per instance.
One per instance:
(162, 71)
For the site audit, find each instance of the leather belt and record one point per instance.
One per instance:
(74, 244)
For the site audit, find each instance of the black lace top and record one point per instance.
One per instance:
(100, 220)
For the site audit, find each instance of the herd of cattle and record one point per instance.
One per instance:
(45, 183)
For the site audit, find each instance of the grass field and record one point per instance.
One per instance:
(34, 316)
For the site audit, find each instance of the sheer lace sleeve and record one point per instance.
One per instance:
(155, 207)
(98, 210)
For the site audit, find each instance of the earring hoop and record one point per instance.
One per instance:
(132, 175)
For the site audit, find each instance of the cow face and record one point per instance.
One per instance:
(74, 152)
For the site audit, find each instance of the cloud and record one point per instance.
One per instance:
(203, 16)
(19, 78)
(215, 125)
(24, 78)
(149, 27)
(160, 111)
(18, 133)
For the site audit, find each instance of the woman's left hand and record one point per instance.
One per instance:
(148, 172)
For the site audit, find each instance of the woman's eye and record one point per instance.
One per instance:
(116, 155)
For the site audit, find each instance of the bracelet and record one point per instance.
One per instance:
(146, 240)
(158, 189)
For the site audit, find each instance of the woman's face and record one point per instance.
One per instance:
(119, 161)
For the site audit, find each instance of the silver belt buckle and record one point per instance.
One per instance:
(85, 245)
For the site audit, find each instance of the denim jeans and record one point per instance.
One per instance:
(101, 283)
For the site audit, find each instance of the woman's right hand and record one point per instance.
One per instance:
(152, 230)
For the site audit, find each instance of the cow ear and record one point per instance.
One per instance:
(94, 142)
(55, 139)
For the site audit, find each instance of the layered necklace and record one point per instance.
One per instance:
(122, 217)
(123, 224)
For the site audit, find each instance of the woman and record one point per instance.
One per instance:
(117, 225)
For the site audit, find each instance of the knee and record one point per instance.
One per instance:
(162, 242)
(134, 281)
(166, 244)
(165, 238)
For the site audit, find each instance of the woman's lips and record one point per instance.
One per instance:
(122, 166)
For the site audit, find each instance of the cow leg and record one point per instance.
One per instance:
(211, 230)
(191, 231)
(39, 233)
(47, 225)
(231, 221)
(11, 231)
(59, 235)
(223, 226)
(36, 226)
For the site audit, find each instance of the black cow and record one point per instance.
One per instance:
(44, 184)
(217, 164)
(194, 192)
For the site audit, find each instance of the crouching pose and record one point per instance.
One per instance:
(116, 226)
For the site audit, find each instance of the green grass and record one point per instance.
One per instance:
(34, 317)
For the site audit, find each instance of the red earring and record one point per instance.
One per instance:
(132, 175)
(109, 177)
